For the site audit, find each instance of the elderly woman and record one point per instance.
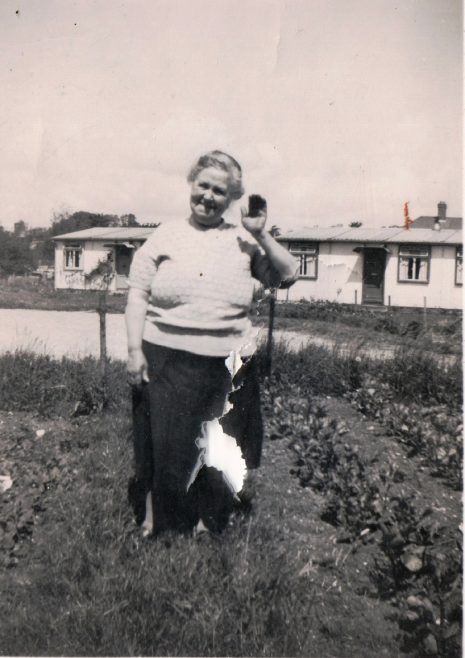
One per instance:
(190, 291)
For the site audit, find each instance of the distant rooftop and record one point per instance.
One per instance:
(441, 219)
(109, 233)
(427, 221)
(438, 229)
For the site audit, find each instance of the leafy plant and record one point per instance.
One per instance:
(434, 431)
(414, 544)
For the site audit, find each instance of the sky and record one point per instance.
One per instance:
(337, 110)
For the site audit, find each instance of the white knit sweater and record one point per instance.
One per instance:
(201, 287)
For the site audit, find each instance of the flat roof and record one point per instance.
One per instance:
(364, 234)
(109, 233)
(312, 234)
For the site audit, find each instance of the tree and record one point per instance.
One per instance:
(24, 249)
(128, 220)
(20, 229)
(42, 246)
(80, 220)
(65, 222)
(355, 224)
(15, 255)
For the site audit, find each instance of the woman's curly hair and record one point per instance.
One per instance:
(221, 161)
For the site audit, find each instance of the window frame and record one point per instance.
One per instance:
(458, 259)
(73, 248)
(300, 250)
(425, 256)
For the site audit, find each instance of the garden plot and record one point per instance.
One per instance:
(343, 556)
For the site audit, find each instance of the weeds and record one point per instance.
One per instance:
(412, 375)
(30, 382)
(103, 591)
(415, 376)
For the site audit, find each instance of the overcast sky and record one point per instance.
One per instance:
(338, 110)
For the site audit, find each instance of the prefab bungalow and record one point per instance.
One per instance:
(97, 257)
(421, 266)
(377, 266)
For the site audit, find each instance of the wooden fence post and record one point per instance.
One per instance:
(269, 345)
(102, 311)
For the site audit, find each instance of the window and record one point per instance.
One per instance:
(73, 257)
(414, 263)
(459, 266)
(307, 255)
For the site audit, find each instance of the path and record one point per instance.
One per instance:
(75, 334)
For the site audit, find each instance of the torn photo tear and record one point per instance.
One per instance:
(217, 448)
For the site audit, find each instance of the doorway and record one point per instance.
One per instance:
(123, 258)
(374, 263)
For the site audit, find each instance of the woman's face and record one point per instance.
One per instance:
(210, 196)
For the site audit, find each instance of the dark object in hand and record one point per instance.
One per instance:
(257, 204)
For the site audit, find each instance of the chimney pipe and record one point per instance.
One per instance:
(442, 210)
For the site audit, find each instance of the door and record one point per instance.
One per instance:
(374, 261)
(123, 257)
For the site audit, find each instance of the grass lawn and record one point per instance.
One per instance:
(85, 584)
(24, 292)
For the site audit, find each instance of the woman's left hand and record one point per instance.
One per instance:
(253, 225)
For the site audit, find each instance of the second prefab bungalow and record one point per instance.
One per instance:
(380, 266)
(83, 257)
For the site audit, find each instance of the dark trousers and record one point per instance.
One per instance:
(185, 390)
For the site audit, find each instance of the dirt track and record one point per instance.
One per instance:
(76, 334)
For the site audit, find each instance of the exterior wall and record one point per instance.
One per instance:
(93, 252)
(339, 277)
(440, 291)
(340, 273)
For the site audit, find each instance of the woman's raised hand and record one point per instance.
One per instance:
(254, 225)
(137, 368)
